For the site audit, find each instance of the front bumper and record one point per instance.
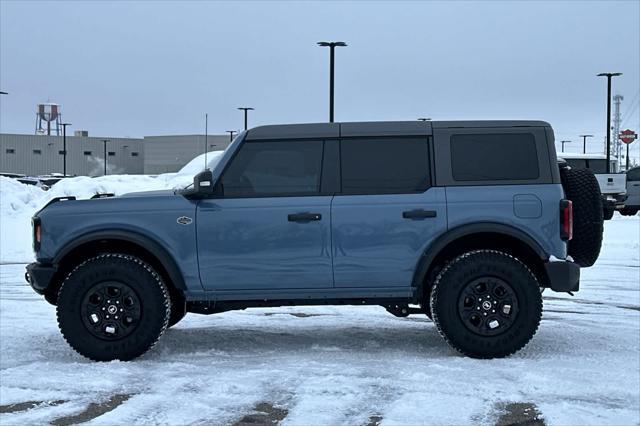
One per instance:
(563, 275)
(39, 276)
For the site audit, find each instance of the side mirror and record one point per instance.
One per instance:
(203, 185)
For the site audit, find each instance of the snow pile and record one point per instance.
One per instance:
(19, 202)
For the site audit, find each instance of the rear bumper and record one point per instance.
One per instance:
(39, 276)
(614, 200)
(563, 275)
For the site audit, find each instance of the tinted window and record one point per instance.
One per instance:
(263, 169)
(87, 153)
(134, 154)
(595, 165)
(384, 166)
(598, 166)
(111, 154)
(577, 163)
(11, 151)
(488, 157)
(634, 174)
(37, 151)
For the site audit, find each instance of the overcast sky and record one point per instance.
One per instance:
(151, 68)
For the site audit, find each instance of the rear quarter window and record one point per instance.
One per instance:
(494, 157)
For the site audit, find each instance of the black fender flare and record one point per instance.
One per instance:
(432, 251)
(153, 247)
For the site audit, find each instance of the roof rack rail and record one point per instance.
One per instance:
(55, 200)
(103, 195)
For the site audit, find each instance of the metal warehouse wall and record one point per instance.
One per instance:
(163, 154)
(37, 155)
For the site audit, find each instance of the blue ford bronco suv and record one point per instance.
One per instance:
(464, 221)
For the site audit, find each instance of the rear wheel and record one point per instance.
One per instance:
(486, 304)
(607, 213)
(113, 306)
(629, 211)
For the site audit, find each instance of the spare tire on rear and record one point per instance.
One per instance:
(581, 187)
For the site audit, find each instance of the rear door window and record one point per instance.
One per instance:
(384, 165)
(494, 157)
(273, 169)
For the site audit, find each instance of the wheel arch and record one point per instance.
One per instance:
(115, 241)
(478, 236)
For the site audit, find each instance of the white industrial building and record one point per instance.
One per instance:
(43, 154)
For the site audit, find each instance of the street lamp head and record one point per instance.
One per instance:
(609, 74)
(332, 43)
(586, 136)
(4, 93)
(424, 119)
(245, 108)
(65, 124)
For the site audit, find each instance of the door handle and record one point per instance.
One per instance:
(304, 217)
(418, 214)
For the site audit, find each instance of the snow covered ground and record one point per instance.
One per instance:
(325, 365)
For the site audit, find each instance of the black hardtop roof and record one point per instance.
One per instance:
(376, 128)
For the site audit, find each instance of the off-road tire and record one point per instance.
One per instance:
(607, 213)
(475, 265)
(629, 211)
(581, 187)
(178, 311)
(148, 288)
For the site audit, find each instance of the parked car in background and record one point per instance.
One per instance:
(33, 181)
(12, 175)
(632, 204)
(613, 185)
(52, 178)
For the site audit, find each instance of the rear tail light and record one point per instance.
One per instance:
(566, 220)
(37, 233)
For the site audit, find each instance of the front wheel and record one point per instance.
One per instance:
(113, 306)
(486, 304)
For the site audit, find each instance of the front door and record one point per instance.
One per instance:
(270, 229)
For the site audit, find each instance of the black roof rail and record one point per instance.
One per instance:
(55, 200)
(103, 195)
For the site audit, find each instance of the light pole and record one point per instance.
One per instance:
(563, 142)
(332, 46)
(609, 75)
(231, 132)
(584, 142)
(104, 142)
(245, 109)
(64, 148)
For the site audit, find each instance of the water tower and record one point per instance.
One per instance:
(46, 114)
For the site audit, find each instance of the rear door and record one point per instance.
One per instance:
(271, 227)
(386, 213)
